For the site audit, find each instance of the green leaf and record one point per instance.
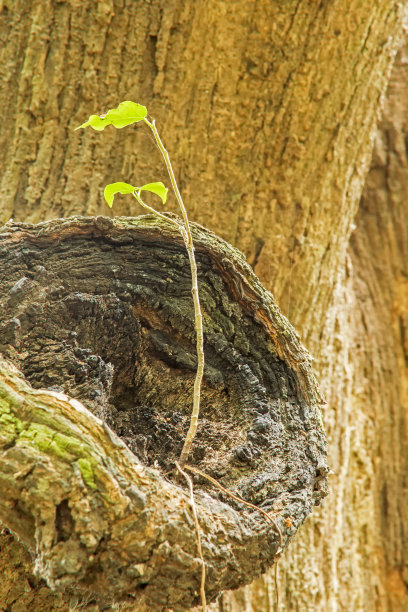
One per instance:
(157, 188)
(125, 114)
(95, 122)
(114, 188)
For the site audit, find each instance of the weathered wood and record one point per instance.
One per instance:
(102, 311)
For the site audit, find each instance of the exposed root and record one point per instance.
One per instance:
(197, 528)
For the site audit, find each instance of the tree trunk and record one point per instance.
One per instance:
(268, 110)
(360, 531)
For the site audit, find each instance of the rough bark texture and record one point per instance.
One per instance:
(379, 251)
(360, 532)
(102, 525)
(102, 311)
(268, 110)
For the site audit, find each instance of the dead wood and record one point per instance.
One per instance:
(100, 312)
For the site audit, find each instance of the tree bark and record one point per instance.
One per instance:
(99, 309)
(379, 251)
(360, 531)
(102, 525)
(268, 110)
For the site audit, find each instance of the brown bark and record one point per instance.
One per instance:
(268, 110)
(102, 525)
(266, 139)
(99, 309)
(360, 532)
(379, 250)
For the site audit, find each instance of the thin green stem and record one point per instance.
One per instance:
(198, 317)
(136, 194)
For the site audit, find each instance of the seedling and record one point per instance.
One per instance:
(126, 114)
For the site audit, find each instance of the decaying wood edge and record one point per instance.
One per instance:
(232, 267)
(100, 521)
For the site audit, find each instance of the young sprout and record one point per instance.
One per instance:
(125, 114)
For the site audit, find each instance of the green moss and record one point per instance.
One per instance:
(40, 435)
(67, 447)
(4, 407)
(46, 440)
(63, 447)
(49, 441)
(87, 472)
(8, 430)
(10, 426)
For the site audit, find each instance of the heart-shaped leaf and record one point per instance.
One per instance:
(95, 122)
(125, 114)
(157, 188)
(114, 188)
